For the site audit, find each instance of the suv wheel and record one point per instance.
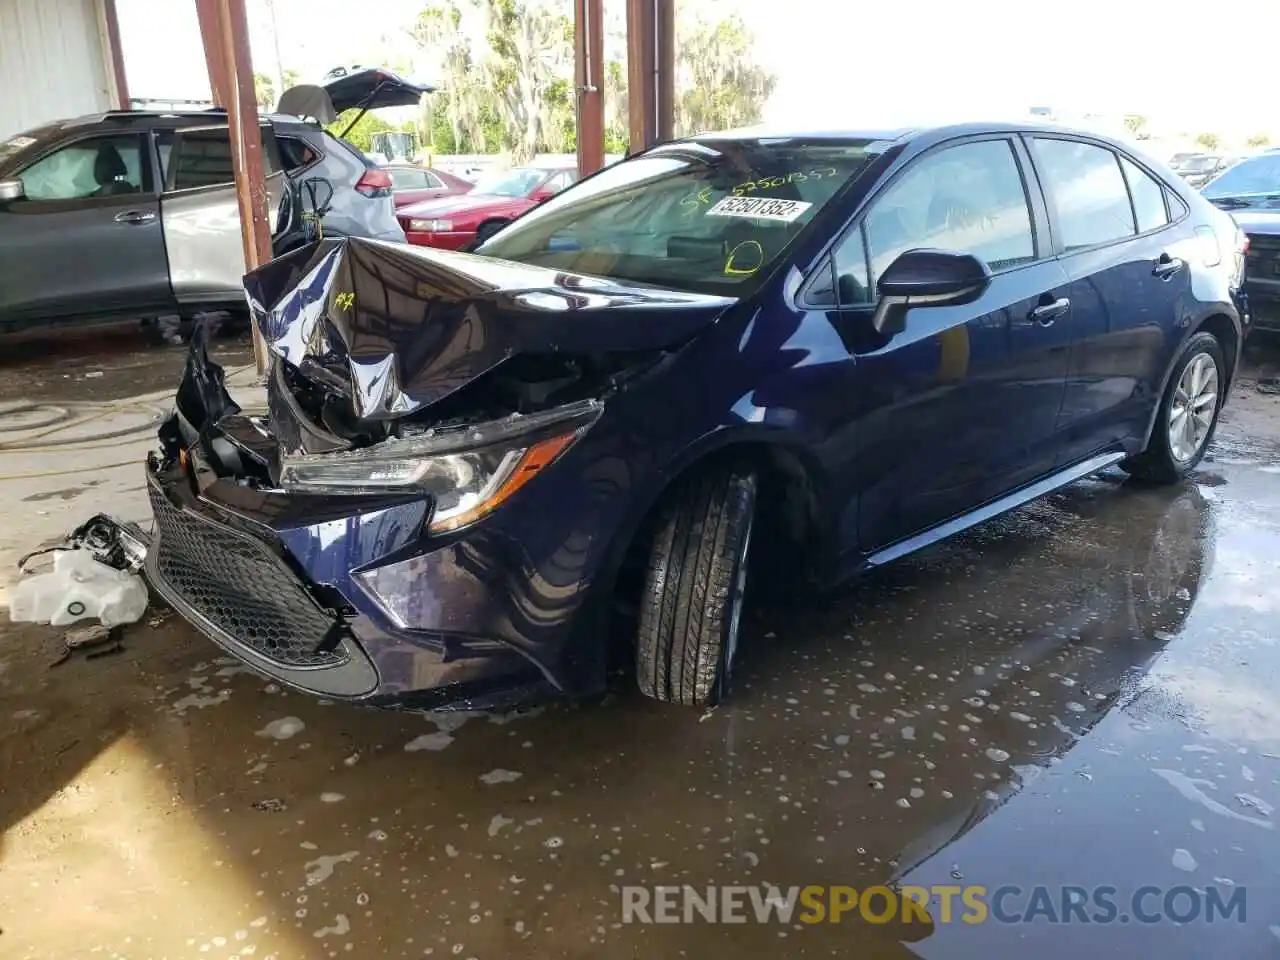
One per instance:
(691, 610)
(1188, 414)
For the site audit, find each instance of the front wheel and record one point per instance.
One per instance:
(487, 230)
(1188, 414)
(691, 610)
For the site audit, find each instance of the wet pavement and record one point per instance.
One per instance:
(1081, 694)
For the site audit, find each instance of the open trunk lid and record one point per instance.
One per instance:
(369, 89)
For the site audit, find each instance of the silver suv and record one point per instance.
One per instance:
(133, 214)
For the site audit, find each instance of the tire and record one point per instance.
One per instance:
(691, 608)
(487, 230)
(1164, 461)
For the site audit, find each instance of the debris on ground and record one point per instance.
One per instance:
(94, 576)
(1269, 384)
(79, 587)
(94, 640)
(271, 805)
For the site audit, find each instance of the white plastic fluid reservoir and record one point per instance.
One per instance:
(79, 587)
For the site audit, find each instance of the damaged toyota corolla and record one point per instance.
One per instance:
(798, 355)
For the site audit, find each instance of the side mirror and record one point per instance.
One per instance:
(12, 190)
(927, 278)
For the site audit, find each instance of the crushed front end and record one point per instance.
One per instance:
(449, 453)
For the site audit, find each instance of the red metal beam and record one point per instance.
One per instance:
(650, 71)
(116, 52)
(588, 19)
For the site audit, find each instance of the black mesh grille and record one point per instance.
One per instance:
(240, 587)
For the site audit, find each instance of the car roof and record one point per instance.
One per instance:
(124, 119)
(902, 134)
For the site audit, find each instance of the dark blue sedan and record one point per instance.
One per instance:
(764, 355)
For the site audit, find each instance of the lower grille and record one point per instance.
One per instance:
(241, 588)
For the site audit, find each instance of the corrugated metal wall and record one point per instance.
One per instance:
(52, 62)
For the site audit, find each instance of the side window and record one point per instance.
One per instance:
(1088, 191)
(852, 277)
(296, 154)
(96, 167)
(402, 179)
(202, 158)
(1148, 197)
(968, 198)
(433, 181)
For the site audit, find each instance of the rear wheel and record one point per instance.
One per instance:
(691, 609)
(1188, 414)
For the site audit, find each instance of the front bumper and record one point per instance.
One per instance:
(277, 592)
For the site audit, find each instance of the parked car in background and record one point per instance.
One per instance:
(1250, 192)
(496, 199)
(1200, 168)
(134, 214)
(788, 352)
(411, 183)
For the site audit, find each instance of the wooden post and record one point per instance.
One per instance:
(214, 59)
(116, 54)
(650, 71)
(246, 148)
(589, 76)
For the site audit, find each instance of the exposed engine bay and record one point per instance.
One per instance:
(372, 388)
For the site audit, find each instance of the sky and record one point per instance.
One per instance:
(1185, 66)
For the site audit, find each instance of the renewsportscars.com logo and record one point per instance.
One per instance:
(929, 905)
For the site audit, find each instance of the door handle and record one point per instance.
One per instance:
(1046, 313)
(1167, 266)
(135, 216)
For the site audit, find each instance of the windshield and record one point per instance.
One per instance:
(703, 216)
(510, 183)
(1258, 175)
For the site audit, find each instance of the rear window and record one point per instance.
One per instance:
(705, 216)
(296, 154)
(1087, 186)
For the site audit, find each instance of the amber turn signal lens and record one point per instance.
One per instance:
(531, 463)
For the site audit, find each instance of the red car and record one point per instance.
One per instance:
(455, 222)
(413, 184)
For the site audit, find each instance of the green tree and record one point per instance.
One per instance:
(1259, 140)
(359, 135)
(1209, 141)
(531, 47)
(1136, 124)
(264, 91)
(720, 85)
(464, 101)
(617, 123)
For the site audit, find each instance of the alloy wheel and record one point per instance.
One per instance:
(1195, 404)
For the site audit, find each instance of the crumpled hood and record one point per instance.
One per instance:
(396, 328)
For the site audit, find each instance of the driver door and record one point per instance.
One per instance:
(86, 238)
(959, 408)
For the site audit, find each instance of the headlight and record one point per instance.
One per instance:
(431, 226)
(467, 471)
